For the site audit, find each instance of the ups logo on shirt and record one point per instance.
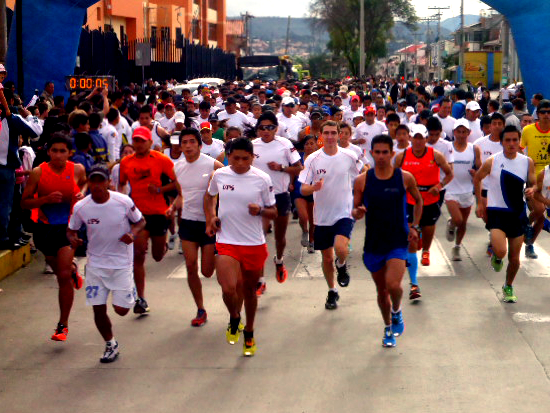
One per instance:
(228, 187)
(321, 171)
(93, 221)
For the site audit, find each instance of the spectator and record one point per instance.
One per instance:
(47, 94)
(83, 145)
(100, 151)
(510, 118)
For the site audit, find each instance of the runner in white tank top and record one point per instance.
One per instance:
(193, 173)
(543, 193)
(459, 194)
(175, 154)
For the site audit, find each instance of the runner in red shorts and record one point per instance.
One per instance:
(245, 197)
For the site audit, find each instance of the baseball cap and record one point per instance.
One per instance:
(473, 105)
(462, 122)
(99, 170)
(288, 101)
(213, 118)
(143, 133)
(357, 98)
(401, 102)
(343, 89)
(508, 107)
(409, 109)
(370, 109)
(190, 101)
(205, 125)
(231, 101)
(169, 105)
(2, 68)
(175, 138)
(317, 112)
(419, 129)
(179, 117)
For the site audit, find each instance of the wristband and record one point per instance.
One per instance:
(416, 228)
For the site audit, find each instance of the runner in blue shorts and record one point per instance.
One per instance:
(380, 195)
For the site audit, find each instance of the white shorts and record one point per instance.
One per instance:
(101, 281)
(464, 200)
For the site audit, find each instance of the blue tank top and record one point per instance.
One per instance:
(386, 219)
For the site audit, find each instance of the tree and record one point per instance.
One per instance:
(341, 19)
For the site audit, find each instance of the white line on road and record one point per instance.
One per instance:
(536, 268)
(440, 265)
(179, 272)
(531, 317)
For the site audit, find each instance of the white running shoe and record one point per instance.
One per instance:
(171, 242)
(305, 239)
(47, 269)
(451, 230)
(456, 253)
(110, 354)
(310, 248)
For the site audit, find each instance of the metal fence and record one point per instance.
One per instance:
(101, 53)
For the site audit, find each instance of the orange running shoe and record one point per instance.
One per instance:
(260, 288)
(200, 319)
(61, 333)
(281, 273)
(425, 258)
(78, 281)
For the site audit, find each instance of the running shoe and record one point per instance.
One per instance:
(249, 347)
(425, 258)
(305, 239)
(451, 230)
(489, 250)
(61, 333)
(508, 294)
(343, 274)
(280, 272)
(141, 306)
(232, 337)
(397, 323)
(456, 253)
(389, 338)
(414, 294)
(332, 298)
(180, 248)
(47, 269)
(496, 263)
(200, 319)
(530, 251)
(171, 242)
(260, 288)
(110, 354)
(77, 279)
(529, 234)
(310, 248)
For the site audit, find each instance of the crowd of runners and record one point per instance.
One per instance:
(118, 174)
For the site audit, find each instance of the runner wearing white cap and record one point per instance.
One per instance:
(211, 147)
(473, 113)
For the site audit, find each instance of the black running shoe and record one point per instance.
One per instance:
(141, 306)
(332, 298)
(343, 275)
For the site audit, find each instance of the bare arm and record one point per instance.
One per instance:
(412, 188)
(531, 181)
(445, 167)
(359, 210)
(538, 192)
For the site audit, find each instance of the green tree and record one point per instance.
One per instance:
(341, 19)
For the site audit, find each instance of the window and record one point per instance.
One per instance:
(212, 31)
(165, 33)
(213, 4)
(478, 36)
(122, 37)
(179, 37)
(196, 29)
(153, 36)
(99, 14)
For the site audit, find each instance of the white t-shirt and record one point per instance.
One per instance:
(123, 129)
(105, 224)
(215, 149)
(397, 150)
(193, 179)
(238, 119)
(350, 114)
(447, 123)
(236, 192)
(167, 153)
(368, 132)
(359, 152)
(113, 139)
(487, 148)
(279, 150)
(335, 199)
(290, 127)
(475, 131)
(168, 124)
(446, 148)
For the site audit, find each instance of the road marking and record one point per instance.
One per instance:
(440, 265)
(536, 268)
(309, 266)
(179, 272)
(531, 317)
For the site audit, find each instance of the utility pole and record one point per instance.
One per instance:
(415, 65)
(428, 52)
(362, 38)
(439, 48)
(287, 35)
(247, 17)
(3, 32)
(461, 54)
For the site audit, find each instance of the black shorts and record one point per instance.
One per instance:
(441, 197)
(282, 201)
(512, 224)
(157, 225)
(430, 214)
(49, 239)
(307, 198)
(324, 235)
(195, 231)
(484, 193)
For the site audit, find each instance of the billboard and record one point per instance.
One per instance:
(485, 67)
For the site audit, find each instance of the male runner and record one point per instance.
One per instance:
(278, 158)
(144, 170)
(380, 196)
(459, 194)
(211, 147)
(245, 197)
(424, 163)
(508, 173)
(193, 173)
(329, 174)
(53, 188)
(112, 222)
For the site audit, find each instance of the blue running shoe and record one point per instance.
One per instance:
(529, 234)
(397, 323)
(389, 339)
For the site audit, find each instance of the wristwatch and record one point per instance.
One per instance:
(416, 228)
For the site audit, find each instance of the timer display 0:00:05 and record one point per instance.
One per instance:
(87, 83)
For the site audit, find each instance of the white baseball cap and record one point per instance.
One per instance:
(419, 129)
(473, 105)
(462, 122)
(409, 109)
(179, 117)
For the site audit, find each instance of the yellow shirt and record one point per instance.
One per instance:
(537, 143)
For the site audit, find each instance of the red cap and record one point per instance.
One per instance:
(143, 133)
(281, 91)
(206, 125)
(370, 109)
(169, 104)
(357, 98)
(190, 101)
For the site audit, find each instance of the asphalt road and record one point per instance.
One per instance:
(463, 348)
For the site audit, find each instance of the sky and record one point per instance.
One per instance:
(299, 8)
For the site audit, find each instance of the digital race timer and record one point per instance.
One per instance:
(79, 82)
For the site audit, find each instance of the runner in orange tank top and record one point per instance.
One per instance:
(53, 188)
(424, 164)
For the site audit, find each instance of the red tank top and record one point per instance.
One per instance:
(64, 182)
(426, 172)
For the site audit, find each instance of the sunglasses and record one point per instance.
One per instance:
(267, 127)
(544, 111)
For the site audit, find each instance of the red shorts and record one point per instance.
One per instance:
(251, 257)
